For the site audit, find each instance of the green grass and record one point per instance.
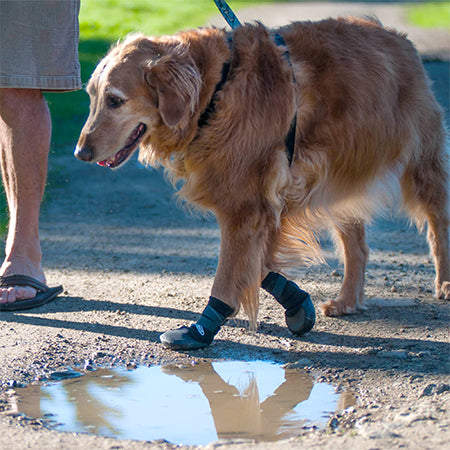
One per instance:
(430, 15)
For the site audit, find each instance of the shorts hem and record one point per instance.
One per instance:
(70, 83)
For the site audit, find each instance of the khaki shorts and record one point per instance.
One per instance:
(39, 44)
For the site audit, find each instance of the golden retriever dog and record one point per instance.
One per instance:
(215, 108)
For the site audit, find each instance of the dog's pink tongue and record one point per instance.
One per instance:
(108, 162)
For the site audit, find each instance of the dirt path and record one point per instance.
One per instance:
(134, 265)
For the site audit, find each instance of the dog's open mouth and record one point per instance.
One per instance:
(124, 153)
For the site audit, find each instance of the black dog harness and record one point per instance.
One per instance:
(234, 23)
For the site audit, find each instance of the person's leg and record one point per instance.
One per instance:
(25, 131)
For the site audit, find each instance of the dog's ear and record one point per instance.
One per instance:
(177, 82)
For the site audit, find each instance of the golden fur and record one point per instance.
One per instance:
(368, 126)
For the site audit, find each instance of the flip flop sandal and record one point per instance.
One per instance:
(44, 293)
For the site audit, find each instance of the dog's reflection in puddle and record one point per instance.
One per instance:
(191, 405)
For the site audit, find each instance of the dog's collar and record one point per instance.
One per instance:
(204, 118)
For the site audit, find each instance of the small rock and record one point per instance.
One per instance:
(428, 390)
(336, 273)
(394, 289)
(441, 388)
(63, 375)
(432, 389)
(370, 351)
(88, 364)
(397, 354)
(423, 354)
(131, 366)
(300, 364)
(333, 423)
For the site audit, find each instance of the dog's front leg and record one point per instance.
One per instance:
(244, 244)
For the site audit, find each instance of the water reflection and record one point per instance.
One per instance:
(190, 405)
(237, 410)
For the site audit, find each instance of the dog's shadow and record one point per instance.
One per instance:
(349, 349)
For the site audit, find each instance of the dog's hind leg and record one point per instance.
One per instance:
(355, 252)
(425, 196)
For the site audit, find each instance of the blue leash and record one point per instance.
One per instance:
(228, 14)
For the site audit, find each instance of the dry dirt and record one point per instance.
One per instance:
(134, 264)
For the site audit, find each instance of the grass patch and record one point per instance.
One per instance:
(430, 15)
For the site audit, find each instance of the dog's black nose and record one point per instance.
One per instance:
(83, 153)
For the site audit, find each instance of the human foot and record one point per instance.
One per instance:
(43, 295)
(19, 266)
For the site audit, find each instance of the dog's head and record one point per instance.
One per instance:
(143, 84)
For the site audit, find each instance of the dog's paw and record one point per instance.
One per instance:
(335, 308)
(361, 307)
(181, 339)
(304, 318)
(443, 291)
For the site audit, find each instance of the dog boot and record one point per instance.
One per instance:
(300, 314)
(200, 334)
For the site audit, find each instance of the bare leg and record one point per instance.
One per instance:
(355, 252)
(25, 130)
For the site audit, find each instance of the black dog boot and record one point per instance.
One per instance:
(300, 314)
(200, 334)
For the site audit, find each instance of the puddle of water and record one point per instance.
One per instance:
(190, 405)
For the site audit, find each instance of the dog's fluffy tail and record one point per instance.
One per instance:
(297, 244)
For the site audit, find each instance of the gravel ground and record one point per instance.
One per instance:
(134, 265)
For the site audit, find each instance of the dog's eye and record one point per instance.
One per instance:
(115, 102)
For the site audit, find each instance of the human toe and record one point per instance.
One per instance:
(7, 295)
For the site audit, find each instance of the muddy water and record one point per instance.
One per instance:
(191, 405)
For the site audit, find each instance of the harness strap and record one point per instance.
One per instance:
(290, 138)
(234, 23)
(203, 120)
